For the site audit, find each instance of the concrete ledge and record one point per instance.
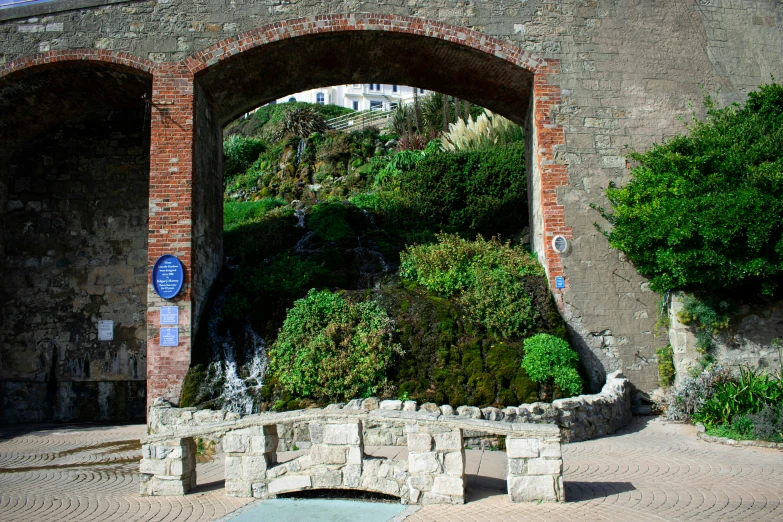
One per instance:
(54, 6)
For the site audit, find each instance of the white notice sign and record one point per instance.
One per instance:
(169, 315)
(169, 336)
(105, 330)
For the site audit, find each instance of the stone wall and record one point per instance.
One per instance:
(75, 252)
(747, 341)
(621, 73)
(579, 418)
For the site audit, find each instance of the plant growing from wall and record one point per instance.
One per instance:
(331, 349)
(703, 210)
(550, 360)
(666, 371)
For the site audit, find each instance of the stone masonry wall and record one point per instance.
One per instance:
(626, 70)
(747, 341)
(75, 250)
(580, 418)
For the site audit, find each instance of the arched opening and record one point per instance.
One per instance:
(74, 180)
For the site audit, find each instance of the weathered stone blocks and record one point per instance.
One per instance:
(535, 469)
(436, 460)
(168, 468)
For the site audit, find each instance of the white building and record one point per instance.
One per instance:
(358, 96)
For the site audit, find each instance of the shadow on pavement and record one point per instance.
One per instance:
(581, 491)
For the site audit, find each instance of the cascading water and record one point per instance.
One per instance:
(300, 217)
(237, 392)
(300, 148)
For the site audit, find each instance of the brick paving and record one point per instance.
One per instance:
(650, 471)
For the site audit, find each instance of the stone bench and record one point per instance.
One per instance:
(434, 472)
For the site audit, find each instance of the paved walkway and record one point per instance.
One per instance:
(650, 471)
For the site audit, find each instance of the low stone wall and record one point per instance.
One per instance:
(580, 418)
(433, 473)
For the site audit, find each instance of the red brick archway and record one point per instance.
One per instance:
(191, 101)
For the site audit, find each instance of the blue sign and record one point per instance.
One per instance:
(167, 276)
(169, 336)
(559, 282)
(169, 315)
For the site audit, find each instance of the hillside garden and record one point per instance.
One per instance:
(387, 263)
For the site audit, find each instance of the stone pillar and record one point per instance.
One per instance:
(336, 453)
(535, 469)
(170, 221)
(249, 453)
(168, 468)
(436, 463)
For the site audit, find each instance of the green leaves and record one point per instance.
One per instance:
(551, 359)
(331, 349)
(487, 275)
(703, 211)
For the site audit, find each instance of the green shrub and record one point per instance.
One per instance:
(331, 349)
(239, 153)
(449, 266)
(499, 302)
(481, 191)
(329, 221)
(748, 392)
(702, 211)
(300, 123)
(665, 366)
(550, 359)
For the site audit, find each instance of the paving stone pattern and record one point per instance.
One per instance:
(651, 470)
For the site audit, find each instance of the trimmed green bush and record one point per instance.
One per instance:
(550, 359)
(665, 366)
(703, 210)
(331, 349)
(236, 213)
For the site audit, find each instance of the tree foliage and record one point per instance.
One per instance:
(703, 210)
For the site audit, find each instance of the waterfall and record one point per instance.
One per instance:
(299, 151)
(237, 393)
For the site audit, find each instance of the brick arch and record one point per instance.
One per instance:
(309, 25)
(75, 55)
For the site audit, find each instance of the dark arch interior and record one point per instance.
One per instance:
(74, 183)
(268, 72)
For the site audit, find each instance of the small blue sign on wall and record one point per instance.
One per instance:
(167, 276)
(169, 315)
(169, 336)
(559, 282)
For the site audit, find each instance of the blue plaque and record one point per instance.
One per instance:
(169, 315)
(559, 282)
(167, 276)
(169, 336)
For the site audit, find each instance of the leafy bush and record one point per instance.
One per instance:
(665, 366)
(487, 275)
(747, 393)
(686, 399)
(484, 191)
(709, 314)
(550, 359)
(768, 423)
(239, 153)
(702, 210)
(331, 349)
(329, 221)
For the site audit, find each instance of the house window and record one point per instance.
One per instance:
(421, 91)
(376, 105)
(372, 86)
(393, 105)
(356, 105)
(394, 88)
(319, 98)
(375, 86)
(291, 99)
